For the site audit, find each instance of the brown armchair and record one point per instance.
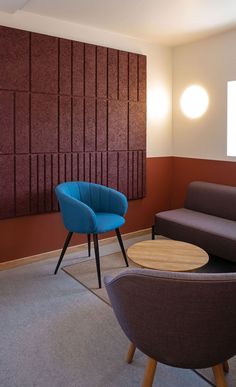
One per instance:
(184, 320)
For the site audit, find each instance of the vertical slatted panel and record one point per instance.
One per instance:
(78, 68)
(123, 172)
(81, 166)
(22, 181)
(104, 169)
(130, 175)
(22, 123)
(65, 51)
(55, 179)
(140, 174)
(117, 125)
(48, 182)
(90, 70)
(112, 73)
(90, 124)
(68, 167)
(41, 183)
(14, 59)
(75, 167)
(101, 125)
(142, 78)
(99, 168)
(77, 124)
(87, 167)
(133, 77)
(112, 170)
(74, 111)
(62, 167)
(137, 120)
(93, 168)
(64, 124)
(123, 75)
(101, 72)
(44, 123)
(34, 184)
(6, 122)
(44, 63)
(7, 186)
(135, 174)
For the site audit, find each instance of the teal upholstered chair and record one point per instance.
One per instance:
(89, 208)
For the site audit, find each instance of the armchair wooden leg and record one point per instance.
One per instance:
(130, 354)
(219, 376)
(149, 372)
(67, 241)
(89, 244)
(226, 366)
(96, 250)
(121, 246)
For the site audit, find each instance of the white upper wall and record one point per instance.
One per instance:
(210, 63)
(159, 69)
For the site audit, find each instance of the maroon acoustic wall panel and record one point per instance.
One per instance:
(68, 111)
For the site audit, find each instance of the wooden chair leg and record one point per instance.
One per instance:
(149, 372)
(226, 366)
(130, 354)
(219, 376)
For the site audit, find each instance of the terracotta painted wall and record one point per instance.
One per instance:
(30, 235)
(186, 170)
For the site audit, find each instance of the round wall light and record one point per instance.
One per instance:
(194, 101)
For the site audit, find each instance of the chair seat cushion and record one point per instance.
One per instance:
(107, 221)
(215, 235)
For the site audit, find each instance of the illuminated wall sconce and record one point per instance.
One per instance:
(194, 101)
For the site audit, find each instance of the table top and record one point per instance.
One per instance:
(168, 255)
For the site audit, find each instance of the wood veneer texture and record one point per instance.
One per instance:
(68, 111)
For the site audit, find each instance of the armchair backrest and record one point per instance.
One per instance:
(184, 320)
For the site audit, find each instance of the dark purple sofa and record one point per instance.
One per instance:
(207, 220)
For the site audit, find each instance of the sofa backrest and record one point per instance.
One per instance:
(213, 199)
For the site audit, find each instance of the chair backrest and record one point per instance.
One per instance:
(185, 320)
(213, 199)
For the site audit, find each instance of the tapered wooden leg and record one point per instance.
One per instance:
(149, 372)
(226, 366)
(219, 376)
(130, 354)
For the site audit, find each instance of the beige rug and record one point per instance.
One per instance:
(85, 272)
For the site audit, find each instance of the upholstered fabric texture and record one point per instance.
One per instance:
(180, 319)
(91, 208)
(208, 219)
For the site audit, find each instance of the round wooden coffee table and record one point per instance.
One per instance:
(168, 255)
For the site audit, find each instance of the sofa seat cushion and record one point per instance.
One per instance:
(215, 235)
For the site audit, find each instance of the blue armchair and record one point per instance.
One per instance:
(89, 208)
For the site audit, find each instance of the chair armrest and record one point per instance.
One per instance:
(117, 202)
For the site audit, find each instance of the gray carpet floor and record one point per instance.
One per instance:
(56, 333)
